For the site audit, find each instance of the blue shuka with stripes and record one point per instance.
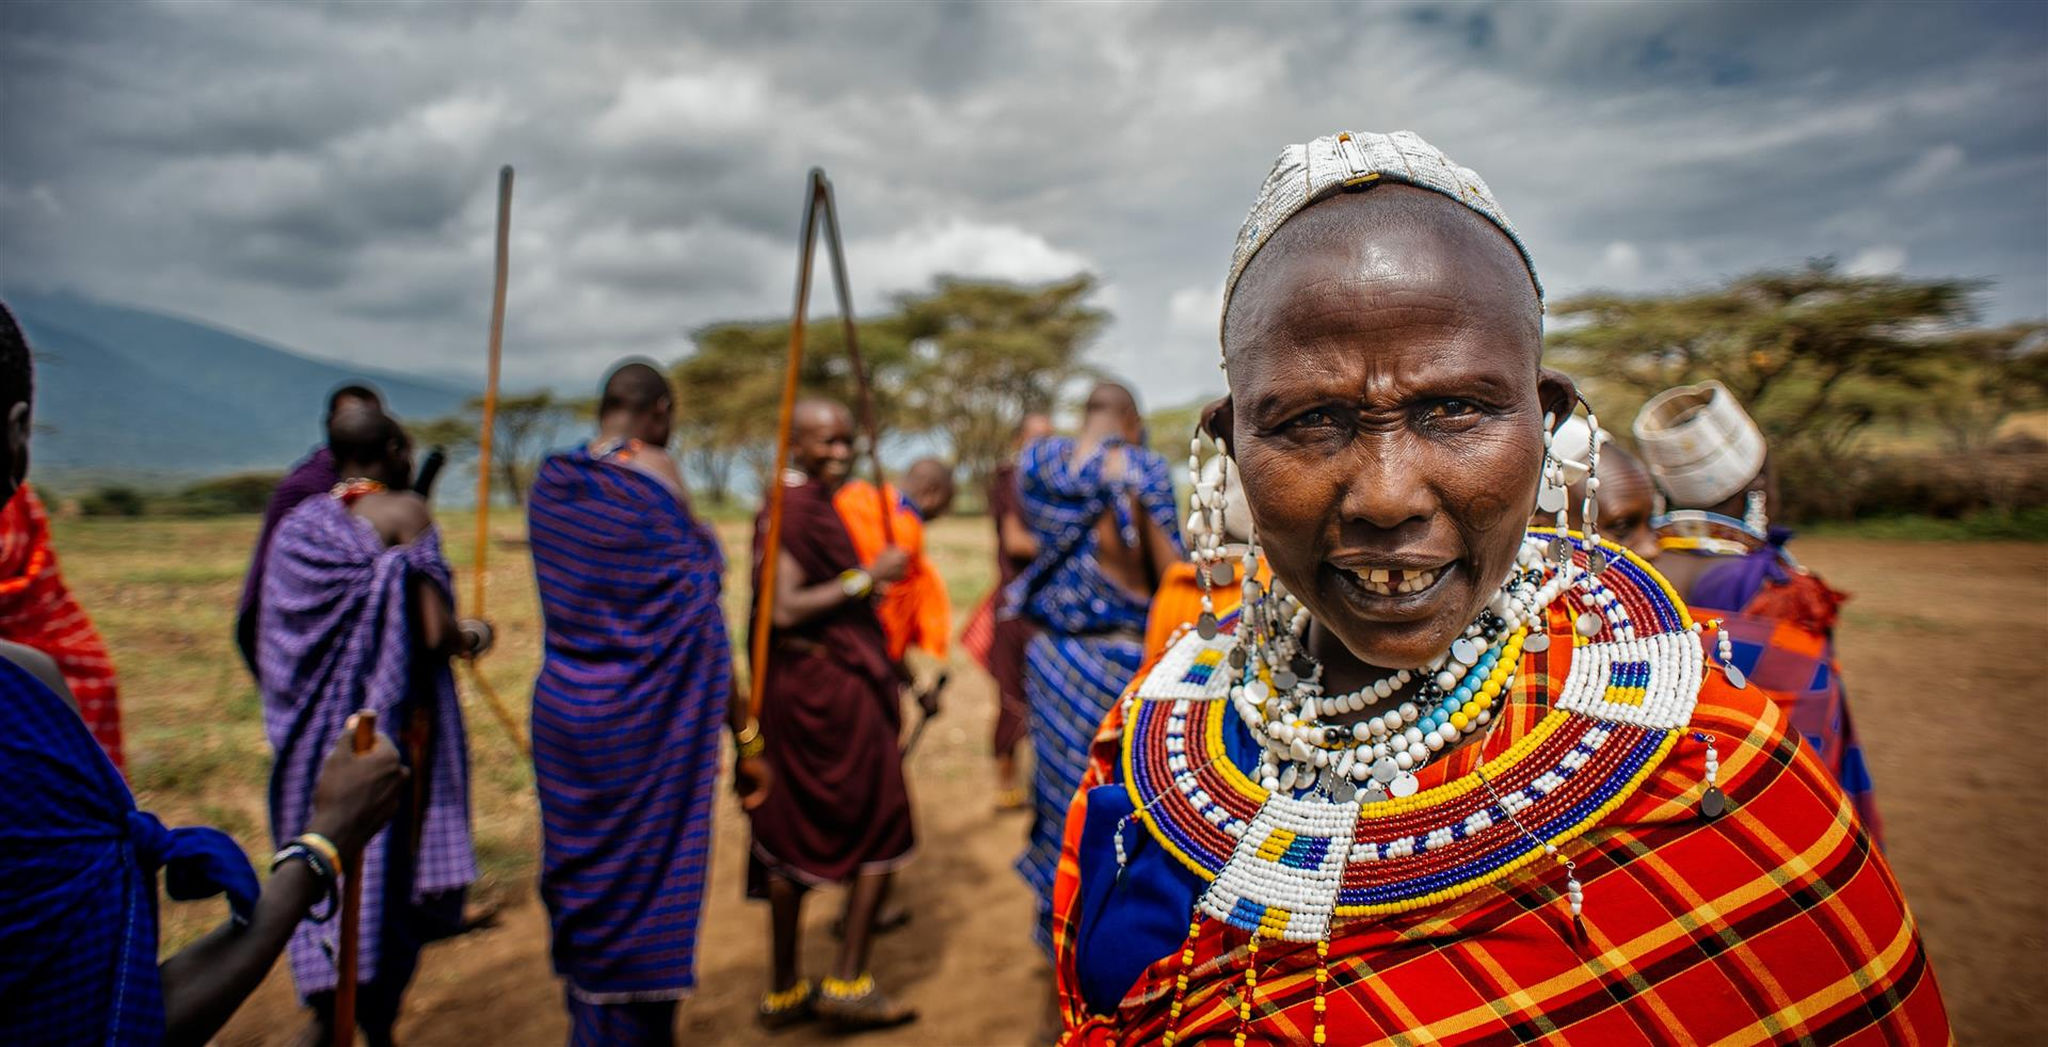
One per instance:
(1090, 646)
(626, 715)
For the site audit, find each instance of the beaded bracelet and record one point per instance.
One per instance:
(748, 741)
(300, 851)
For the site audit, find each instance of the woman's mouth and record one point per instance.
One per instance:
(1393, 581)
(1392, 593)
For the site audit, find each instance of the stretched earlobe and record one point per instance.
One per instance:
(1217, 419)
(1558, 394)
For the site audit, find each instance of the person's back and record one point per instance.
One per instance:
(627, 709)
(1725, 559)
(357, 611)
(1101, 507)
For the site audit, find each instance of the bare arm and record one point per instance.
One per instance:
(434, 624)
(796, 602)
(207, 980)
(1153, 540)
(1016, 539)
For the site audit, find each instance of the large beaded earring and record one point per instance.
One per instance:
(1596, 557)
(1206, 500)
(1553, 494)
(1753, 515)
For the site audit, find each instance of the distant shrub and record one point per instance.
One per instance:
(113, 501)
(225, 496)
(2000, 483)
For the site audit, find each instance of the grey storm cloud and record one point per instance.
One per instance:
(322, 175)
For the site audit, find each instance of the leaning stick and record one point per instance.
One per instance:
(483, 453)
(860, 371)
(351, 907)
(764, 587)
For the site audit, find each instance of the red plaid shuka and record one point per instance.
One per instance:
(36, 610)
(1778, 922)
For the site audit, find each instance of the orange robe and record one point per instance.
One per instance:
(1178, 604)
(36, 610)
(915, 612)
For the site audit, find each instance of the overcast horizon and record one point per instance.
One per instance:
(324, 177)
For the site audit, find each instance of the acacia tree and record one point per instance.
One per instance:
(525, 425)
(987, 352)
(1818, 356)
(729, 390)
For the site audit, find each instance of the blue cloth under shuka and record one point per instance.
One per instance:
(78, 865)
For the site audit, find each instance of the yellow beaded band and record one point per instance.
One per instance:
(841, 989)
(787, 999)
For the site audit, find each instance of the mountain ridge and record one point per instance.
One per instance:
(138, 396)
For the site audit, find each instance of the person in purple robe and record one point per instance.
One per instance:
(357, 612)
(632, 697)
(314, 474)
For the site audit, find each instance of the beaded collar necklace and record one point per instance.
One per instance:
(1321, 830)
(352, 490)
(1697, 530)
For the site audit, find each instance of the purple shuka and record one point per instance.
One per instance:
(334, 638)
(313, 475)
(627, 712)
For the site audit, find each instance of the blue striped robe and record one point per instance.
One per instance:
(1092, 629)
(626, 716)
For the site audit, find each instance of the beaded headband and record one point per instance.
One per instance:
(1348, 161)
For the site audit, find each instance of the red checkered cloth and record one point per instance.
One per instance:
(36, 610)
(1778, 922)
(978, 638)
(1794, 663)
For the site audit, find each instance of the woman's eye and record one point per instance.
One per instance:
(1454, 410)
(1313, 420)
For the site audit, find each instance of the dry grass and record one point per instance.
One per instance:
(163, 591)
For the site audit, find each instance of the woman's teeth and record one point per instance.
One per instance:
(1387, 582)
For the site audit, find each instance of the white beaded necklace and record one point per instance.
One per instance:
(1281, 701)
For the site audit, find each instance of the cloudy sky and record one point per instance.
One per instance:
(322, 175)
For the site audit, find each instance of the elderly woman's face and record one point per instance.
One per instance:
(1386, 414)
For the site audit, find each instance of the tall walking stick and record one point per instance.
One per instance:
(351, 907)
(817, 201)
(483, 452)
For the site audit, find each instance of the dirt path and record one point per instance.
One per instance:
(1945, 650)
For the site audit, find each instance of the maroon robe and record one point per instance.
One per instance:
(831, 717)
(1013, 631)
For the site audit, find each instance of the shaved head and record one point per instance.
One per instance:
(637, 403)
(1374, 235)
(821, 441)
(1112, 410)
(633, 386)
(367, 442)
(929, 483)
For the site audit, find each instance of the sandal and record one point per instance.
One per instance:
(792, 1006)
(859, 1006)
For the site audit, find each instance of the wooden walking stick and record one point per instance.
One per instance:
(483, 454)
(364, 740)
(817, 198)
